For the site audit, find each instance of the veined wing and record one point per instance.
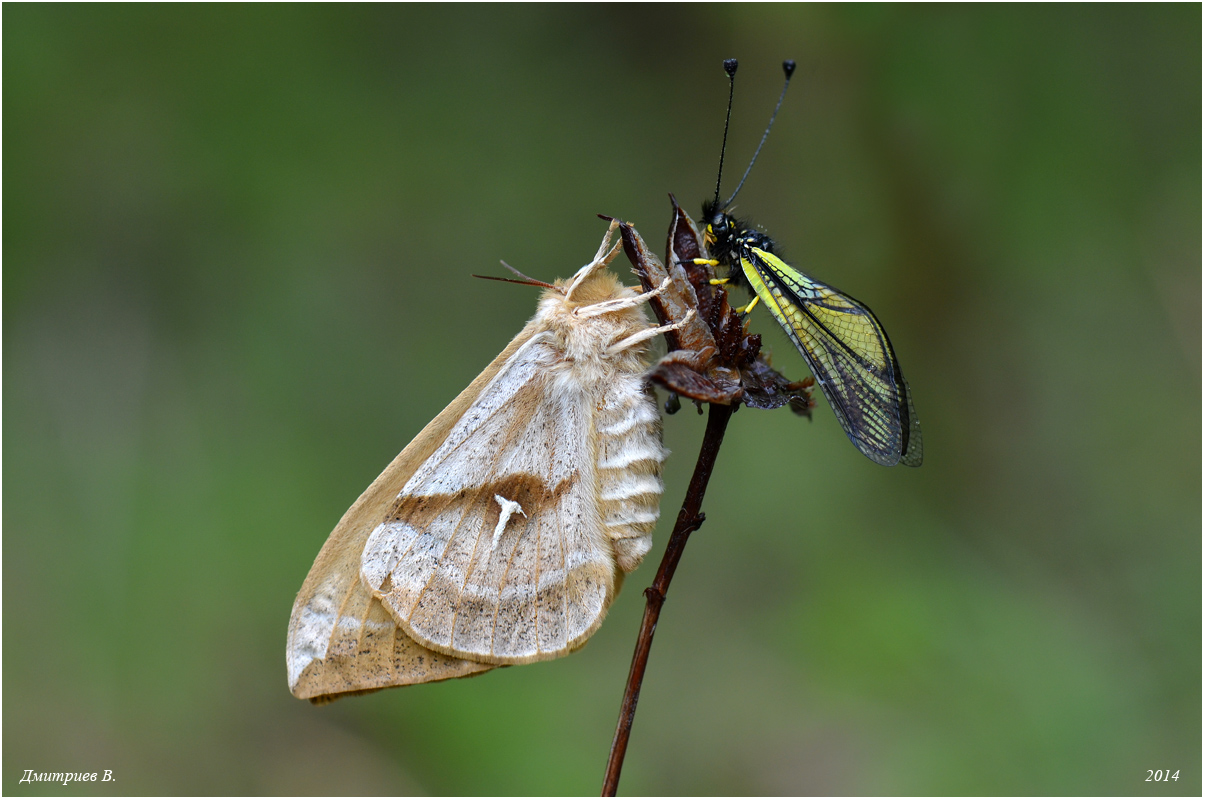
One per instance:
(849, 355)
(341, 638)
(344, 641)
(494, 549)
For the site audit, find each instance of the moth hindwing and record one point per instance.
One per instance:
(501, 533)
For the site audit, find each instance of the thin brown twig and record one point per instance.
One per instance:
(689, 520)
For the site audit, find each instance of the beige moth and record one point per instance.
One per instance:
(502, 533)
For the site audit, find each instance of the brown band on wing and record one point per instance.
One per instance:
(529, 491)
(436, 609)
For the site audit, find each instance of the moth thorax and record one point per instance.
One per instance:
(586, 337)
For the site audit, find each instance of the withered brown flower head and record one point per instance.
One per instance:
(712, 358)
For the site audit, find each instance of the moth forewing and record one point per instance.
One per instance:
(506, 545)
(341, 639)
(501, 533)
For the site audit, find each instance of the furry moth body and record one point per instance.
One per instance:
(501, 534)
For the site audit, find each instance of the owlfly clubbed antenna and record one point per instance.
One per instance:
(730, 66)
(788, 68)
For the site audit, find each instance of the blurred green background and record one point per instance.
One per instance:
(237, 254)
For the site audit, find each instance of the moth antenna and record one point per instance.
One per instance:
(788, 68)
(512, 280)
(525, 282)
(730, 66)
(532, 281)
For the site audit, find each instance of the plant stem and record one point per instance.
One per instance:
(689, 520)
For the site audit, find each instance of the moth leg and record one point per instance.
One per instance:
(646, 296)
(705, 262)
(605, 255)
(606, 241)
(610, 256)
(609, 306)
(648, 333)
(719, 281)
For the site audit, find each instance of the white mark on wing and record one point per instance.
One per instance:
(509, 507)
(313, 634)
